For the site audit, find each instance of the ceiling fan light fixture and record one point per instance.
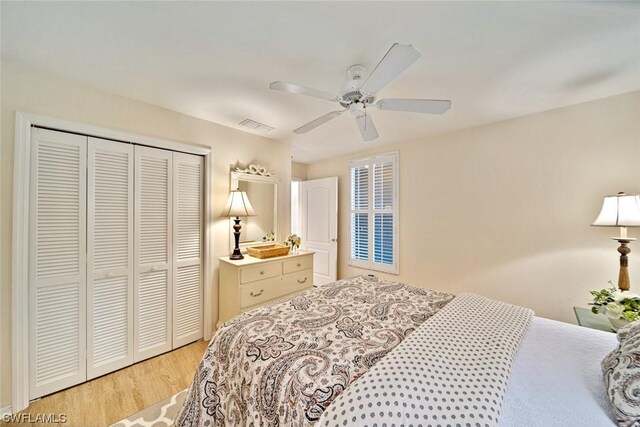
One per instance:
(357, 109)
(356, 72)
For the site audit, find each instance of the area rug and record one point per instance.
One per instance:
(161, 414)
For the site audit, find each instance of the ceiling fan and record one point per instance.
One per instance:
(359, 93)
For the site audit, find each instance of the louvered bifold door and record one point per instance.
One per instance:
(57, 256)
(153, 231)
(109, 256)
(187, 248)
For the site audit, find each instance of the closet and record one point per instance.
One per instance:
(115, 256)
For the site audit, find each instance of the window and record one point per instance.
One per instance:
(374, 213)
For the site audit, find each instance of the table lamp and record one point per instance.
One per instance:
(621, 210)
(237, 205)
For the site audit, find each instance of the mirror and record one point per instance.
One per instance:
(262, 192)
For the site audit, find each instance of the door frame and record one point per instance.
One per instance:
(20, 232)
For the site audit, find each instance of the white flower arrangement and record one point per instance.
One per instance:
(616, 304)
(293, 240)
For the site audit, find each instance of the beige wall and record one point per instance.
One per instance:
(504, 209)
(299, 171)
(24, 90)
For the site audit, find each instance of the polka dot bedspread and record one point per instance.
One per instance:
(451, 372)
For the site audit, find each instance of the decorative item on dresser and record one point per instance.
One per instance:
(248, 283)
(237, 205)
(268, 251)
(294, 242)
(621, 210)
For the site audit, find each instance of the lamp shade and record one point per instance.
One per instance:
(619, 210)
(238, 205)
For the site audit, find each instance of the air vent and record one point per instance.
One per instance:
(251, 124)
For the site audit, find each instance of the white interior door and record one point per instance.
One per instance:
(187, 248)
(153, 252)
(57, 257)
(319, 212)
(109, 256)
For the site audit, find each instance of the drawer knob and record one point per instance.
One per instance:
(261, 272)
(299, 264)
(259, 293)
(302, 281)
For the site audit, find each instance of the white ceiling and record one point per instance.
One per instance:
(215, 60)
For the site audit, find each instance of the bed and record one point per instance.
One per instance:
(353, 353)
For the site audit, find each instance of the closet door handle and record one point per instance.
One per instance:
(256, 295)
(302, 281)
(154, 268)
(109, 275)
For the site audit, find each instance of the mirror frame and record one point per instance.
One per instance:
(240, 176)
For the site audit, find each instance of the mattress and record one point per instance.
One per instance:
(556, 378)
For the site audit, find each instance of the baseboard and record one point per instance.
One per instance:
(5, 410)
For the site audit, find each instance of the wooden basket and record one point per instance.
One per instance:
(268, 251)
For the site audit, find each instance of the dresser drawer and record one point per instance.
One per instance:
(297, 264)
(259, 272)
(260, 291)
(300, 279)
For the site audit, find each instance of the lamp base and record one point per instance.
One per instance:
(624, 283)
(236, 255)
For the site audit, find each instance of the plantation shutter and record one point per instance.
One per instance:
(109, 257)
(57, 257)
(383, 212)
(187, 226)
(374, 183)
(360, 212)
(152, 252)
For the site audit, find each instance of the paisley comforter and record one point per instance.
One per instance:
(283, 364)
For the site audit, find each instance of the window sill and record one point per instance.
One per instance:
(389, 270)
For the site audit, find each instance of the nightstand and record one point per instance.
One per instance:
(590, 320)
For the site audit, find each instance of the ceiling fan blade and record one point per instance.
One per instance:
(301, 90)
(394, 62)
(317, 122)
(367, 128)
(431, 106)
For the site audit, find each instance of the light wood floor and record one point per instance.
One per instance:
(110, 398)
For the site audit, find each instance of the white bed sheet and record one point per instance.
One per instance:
(556, 378)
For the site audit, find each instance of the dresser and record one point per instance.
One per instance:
(251, 282)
